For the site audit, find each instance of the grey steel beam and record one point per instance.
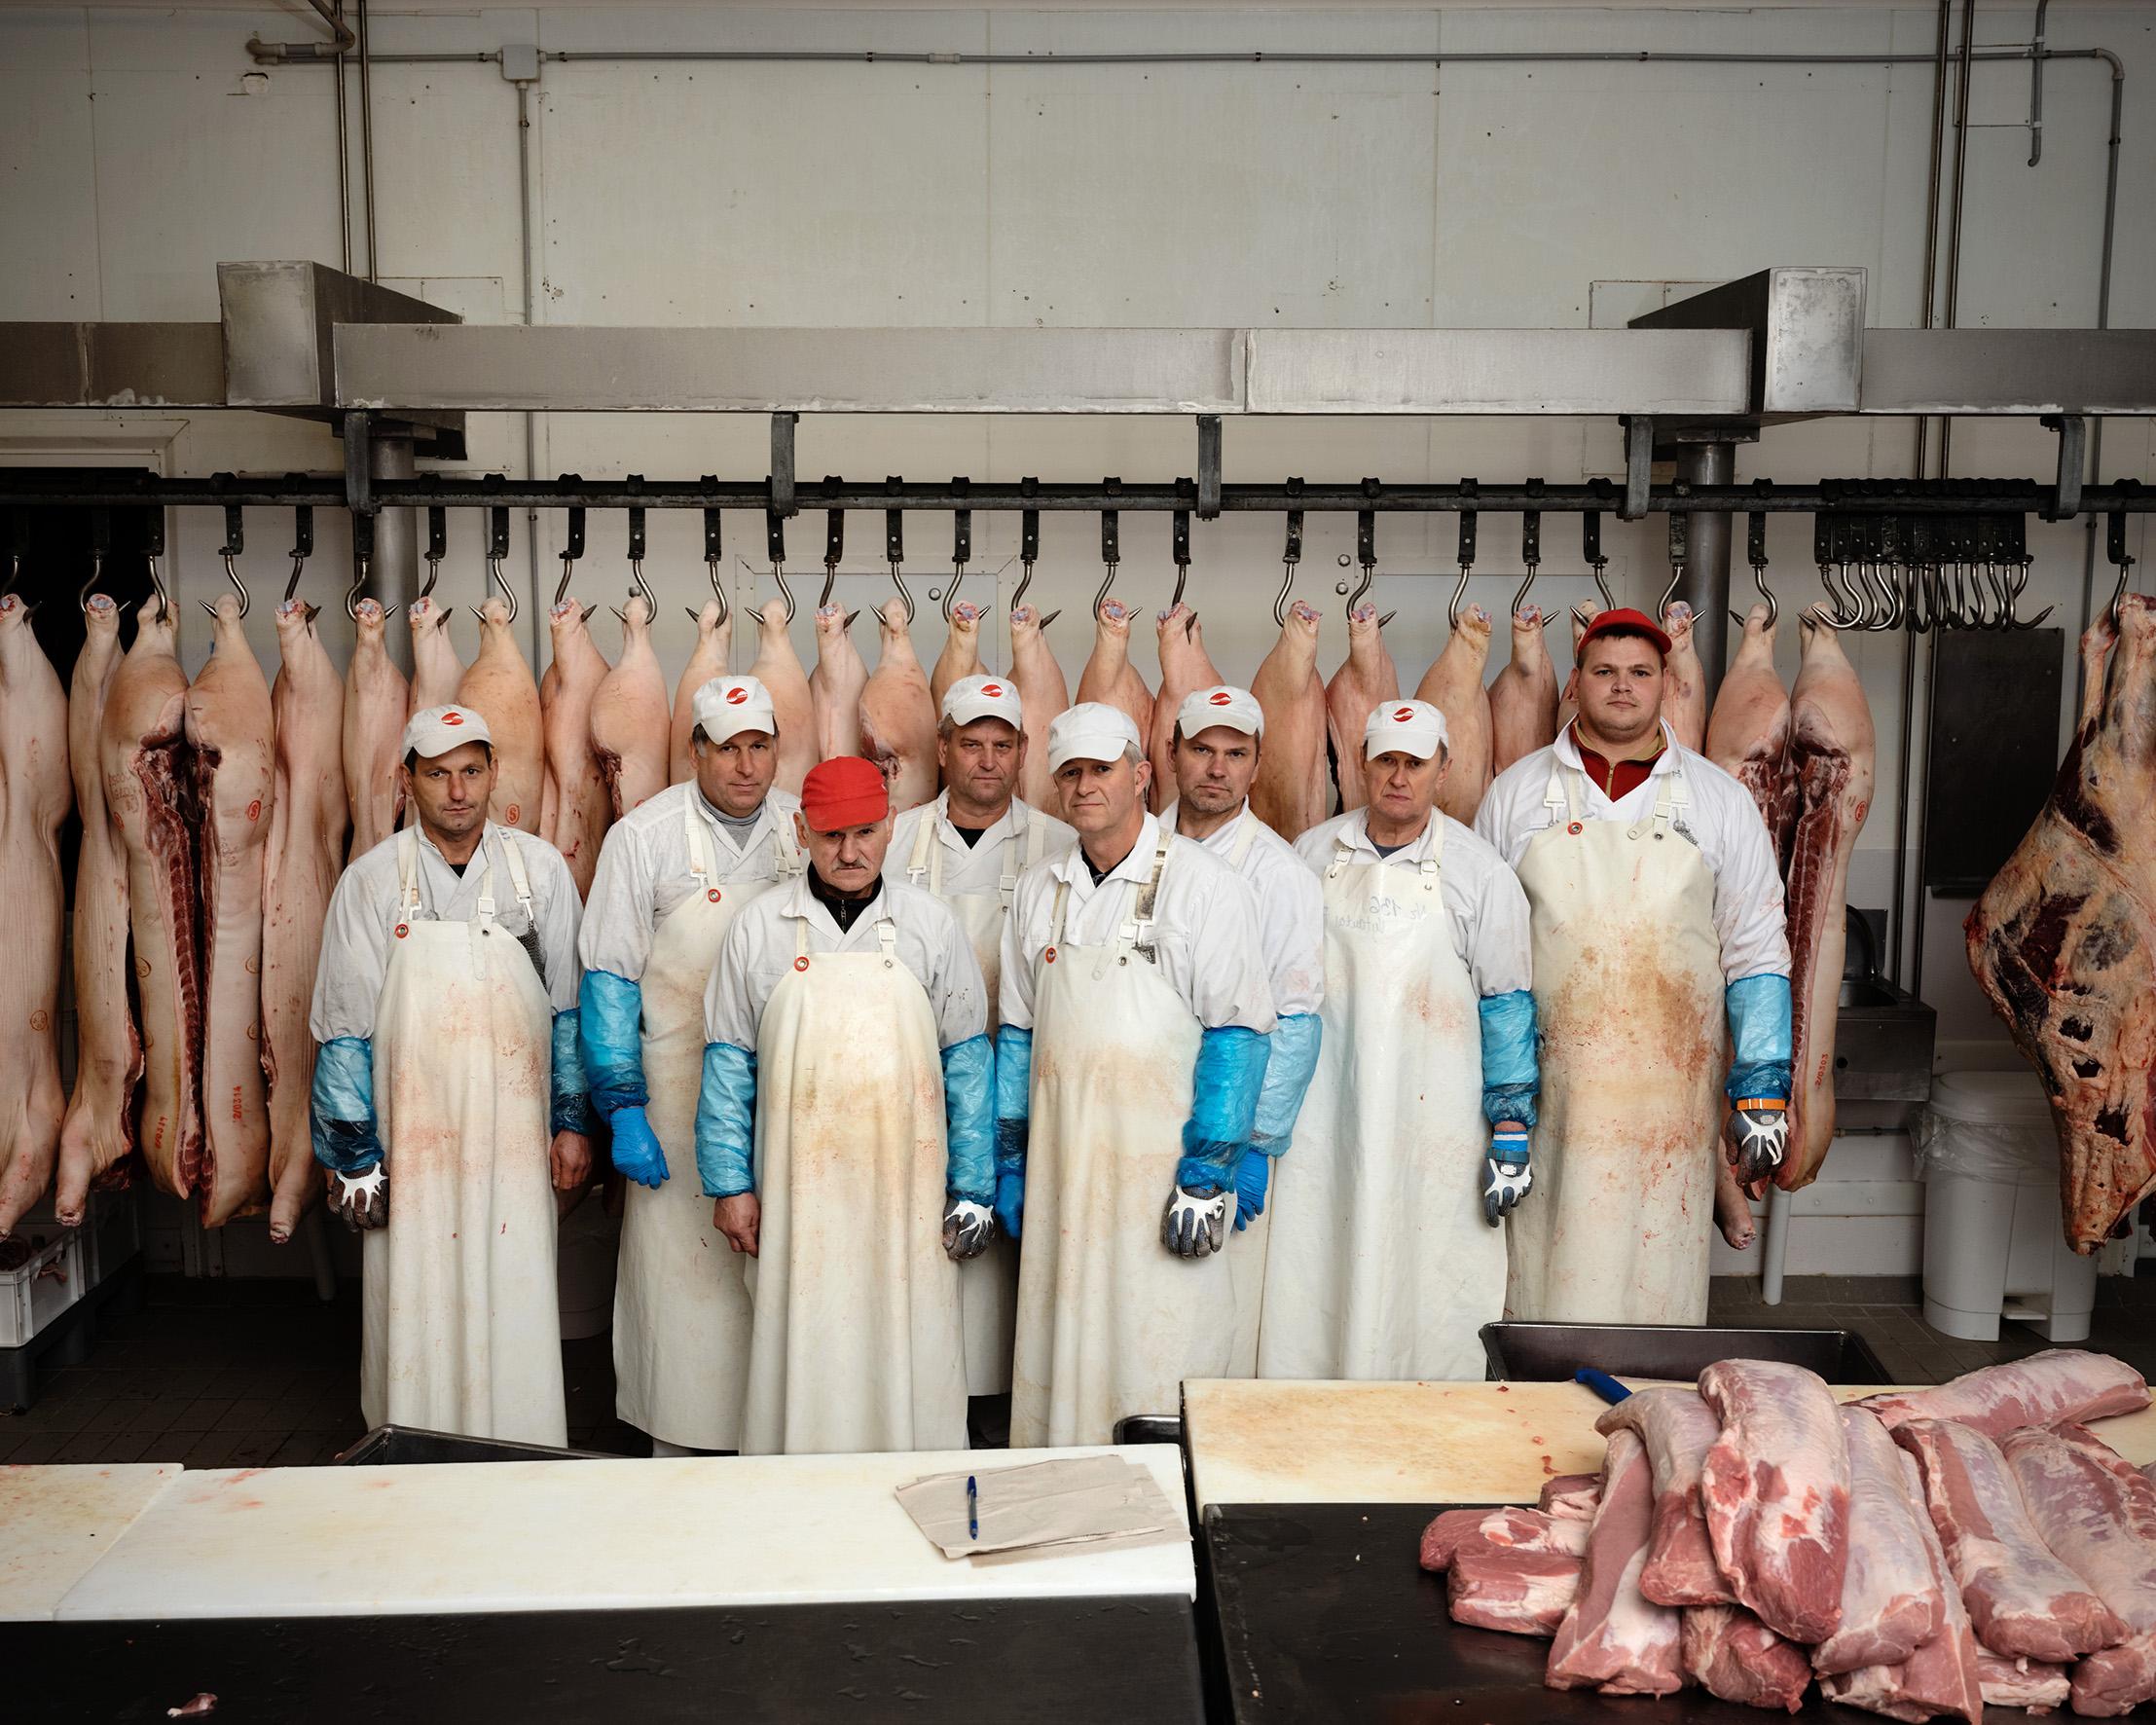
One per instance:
(112, 365)
(1807, 324)
(2009, 372)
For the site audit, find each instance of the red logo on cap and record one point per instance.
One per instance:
(736, 696)
(1401, 714)
(991, 690)
(1220, 697)
(452, 716)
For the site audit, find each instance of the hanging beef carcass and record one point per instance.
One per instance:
(1684, 698)
(1453, 686)
(897, 720)
(35, 796)
(1108, 675)
(231, 751)
(836, 684)
(1523, 696)
(1748, 731)
(305, 849)
(1367, 677)
(575, 809)
(378, 700)
(779, 668)
(498, 687)
(1043, 694)
(1184, 665)
(1289, 790)
(436, 669)
(961, 656)
(1832, 759)
(2061, 939)
(630, 720)
(714, 640)
(98, 1136)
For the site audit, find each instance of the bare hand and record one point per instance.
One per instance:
(738, 1218)
(569, 1157)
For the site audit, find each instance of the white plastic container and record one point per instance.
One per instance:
(38, 1291)
(1993, 1246)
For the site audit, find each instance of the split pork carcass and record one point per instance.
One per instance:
(1684, 697)
(35, 796)
(575, 805)
(498, 687)
(436, 669)
(779, 668)
(1749, 730)
(836, 684)
(1108, 675)
(98, 1136)
(231, 751)
(631, 722)
(1185, 667)
(714, 640)
(1289, 790)
(1832, 758)
(1568, 701)
(378, 700)
(1523, 696)
(1365, 679)
(2061, 940)
(897, 720)
(1043, 694)
(1453, 686)
(961, 656)
(306, 850)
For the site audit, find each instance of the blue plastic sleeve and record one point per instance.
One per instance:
(1223, 1105)
(342, 1106)
(1293, 1058)
(726, 1122)
(1511, 1073)
(613, 1032)
(572, 1101)
(1014, 1076)
(1759, 1035)
(970, 1115)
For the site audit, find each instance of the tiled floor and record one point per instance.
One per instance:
(237, 1374)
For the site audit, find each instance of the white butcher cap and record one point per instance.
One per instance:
(729, 704)
(1222, 703)
(1093, 730)
(983, 697)
(1412, 727)
(436, 730)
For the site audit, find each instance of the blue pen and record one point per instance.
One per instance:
(972, 1507)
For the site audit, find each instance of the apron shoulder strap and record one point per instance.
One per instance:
(408, 872)
(1056, 916)
(1430, 867)
(924, 838)
(887, 937)
(520, 881)
(1137, 932)
(786, 848)
(1027, 831)
(703, 860)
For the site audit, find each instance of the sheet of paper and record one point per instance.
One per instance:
(1047, 1503)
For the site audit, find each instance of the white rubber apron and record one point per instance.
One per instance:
(1110, 1321)
(1628, 996)
(988, 1285)
(680, 1295)
(856, 1343)
(462, 1326)
(1382, 1265)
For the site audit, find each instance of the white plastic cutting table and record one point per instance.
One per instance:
(57, 1522)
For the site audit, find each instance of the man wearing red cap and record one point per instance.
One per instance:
(844, 1130)
(1661, 969)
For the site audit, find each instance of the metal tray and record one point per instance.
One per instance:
(405, 1446)
(1548, 1353)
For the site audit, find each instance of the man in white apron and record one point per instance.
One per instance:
(1662, 966)
(1136, 1012)
(674, 873)
(969, 847)
(1388, 1256)
(844, 1132)
(1218, 735)
(449, 1098)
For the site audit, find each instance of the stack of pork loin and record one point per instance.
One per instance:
(1918, 1554)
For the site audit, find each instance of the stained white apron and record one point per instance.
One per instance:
(988, 1284)
(855, 1342)
(462, 1321)
(1382, 1263)
(1110, 1320)
(680, 1295)
(1628, 998)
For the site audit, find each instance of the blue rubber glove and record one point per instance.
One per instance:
(1224, 1106)
(1013, 1112)
(1512, 1076)
(572, 1110)
(341, 1106)
(637, 1152)
(1291, 1059)
(1761, 1038)
(1252, 1176)
(970, 1120)
(726, 1122)
(611, 1030)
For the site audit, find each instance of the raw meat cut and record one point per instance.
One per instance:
(897, 720)
(1453, 686)
(1678, 1429)
(231, 753)
(97, 1135)
(2022, 1599)
(1614, 1638)
(835, 685)
(576, 806)
(498, 687)
(715, 641)
(2026, 1683)
(1289, 791)
(1890, 1604)
(149, 792)
(378, 700)
(961, 656)
(1505, 1529)
(1831, 759)
(300, 860)
(2060, 942)
(1777, 1490)
(1572, 1497)
(1518, 1592)
(1043, 694)
(1684, 694)
(779, 668)
(35, 796)
(1523, 696)
(630, 720)
(1185, 667)
(1748, 731)
(1735, 1657)
(2059, 1384)
(436, 669)
(1568, 703)
(1108, 675)
(1367, 677)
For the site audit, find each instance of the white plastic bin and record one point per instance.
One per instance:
(44, 1285)
(1993, 1246)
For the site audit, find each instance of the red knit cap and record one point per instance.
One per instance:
(844, 791)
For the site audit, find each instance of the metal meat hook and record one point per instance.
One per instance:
(501, 585)
(82, 599)
(237, 586)
(718, 592)
(352, 592)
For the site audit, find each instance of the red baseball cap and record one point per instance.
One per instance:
(844, 791)
(1627, 622)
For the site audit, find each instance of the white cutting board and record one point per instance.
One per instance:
(1255, 1441)
(584, 1535)
(57, 1522)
